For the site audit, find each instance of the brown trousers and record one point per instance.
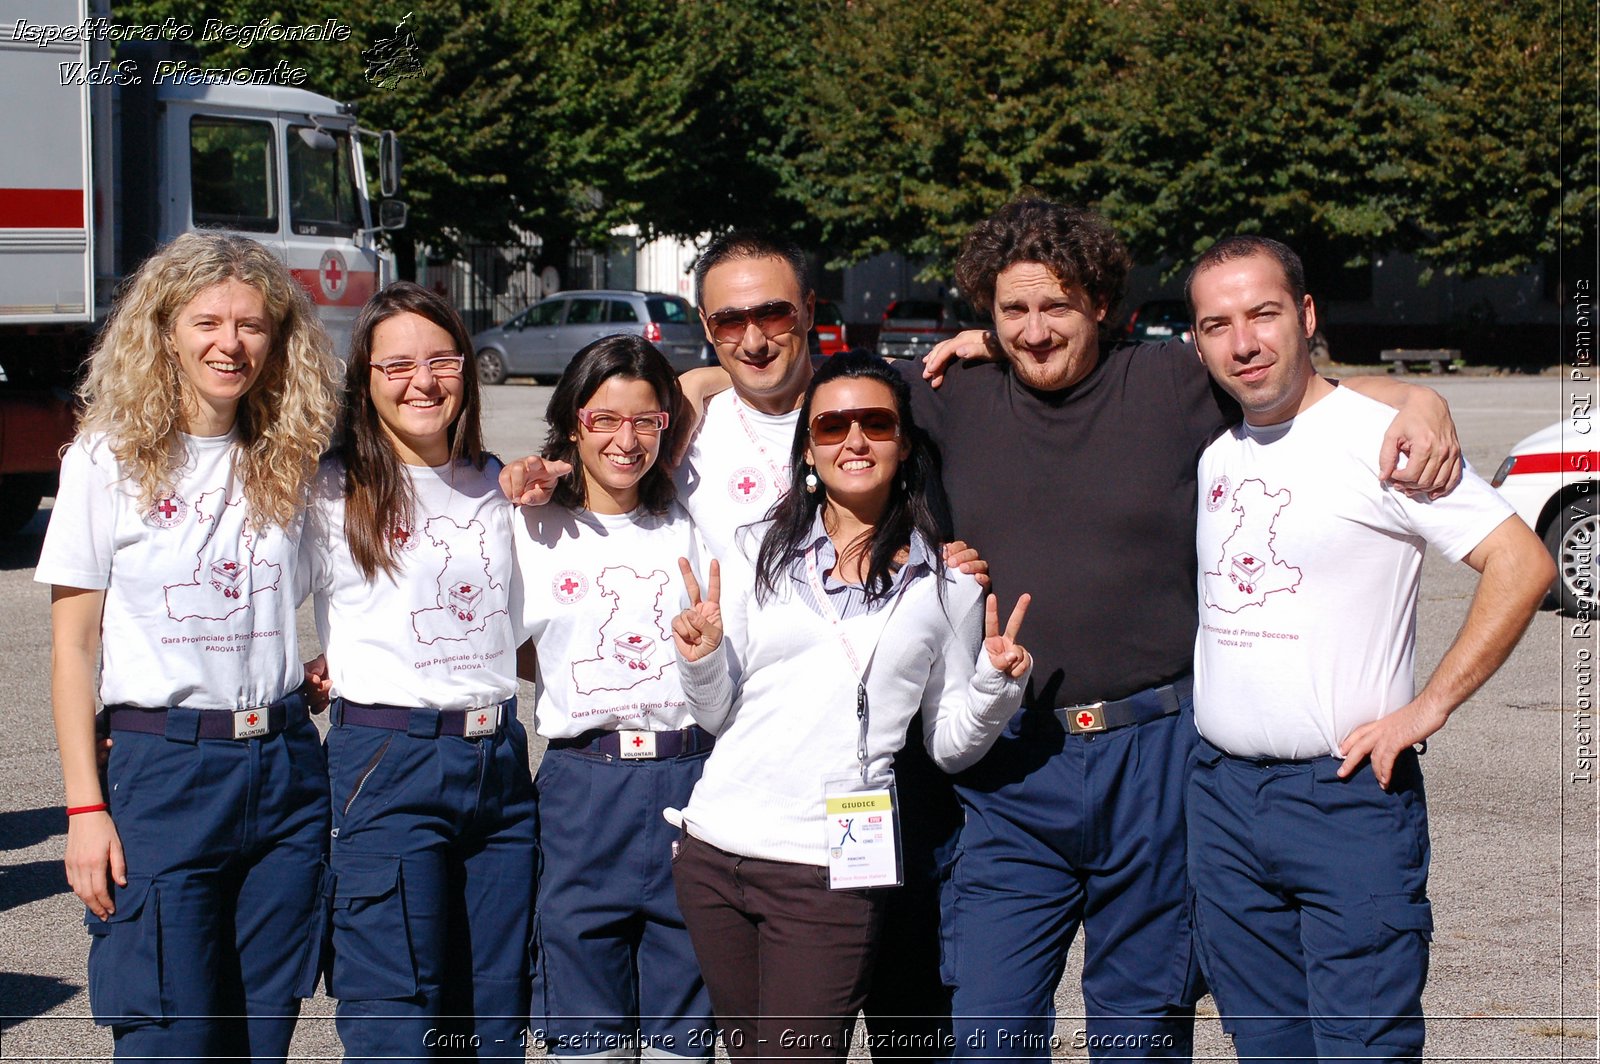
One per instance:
(787, 961)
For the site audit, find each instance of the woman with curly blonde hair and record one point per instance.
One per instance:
(174, 557)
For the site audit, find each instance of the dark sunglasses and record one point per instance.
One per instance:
(877, 423)
(773, 319)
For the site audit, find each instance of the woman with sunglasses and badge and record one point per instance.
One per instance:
(839, 629)
(174, 553)
(616, 974)
(433, 818)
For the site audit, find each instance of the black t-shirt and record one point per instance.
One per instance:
(1084, 498)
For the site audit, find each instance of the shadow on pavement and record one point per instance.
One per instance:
(21, 828)
(27, 996)
(24, 883)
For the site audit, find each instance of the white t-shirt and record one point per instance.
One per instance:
(1309, 571)
(199, 606)
(437, 633)
(737, 467)
(600, 593)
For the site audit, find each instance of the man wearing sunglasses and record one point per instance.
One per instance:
(1074, 471)
(755, 302)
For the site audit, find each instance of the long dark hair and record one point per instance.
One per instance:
(378, 496)
(631, 357)
(907, 511)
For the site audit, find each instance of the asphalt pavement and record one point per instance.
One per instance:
(1514, 973)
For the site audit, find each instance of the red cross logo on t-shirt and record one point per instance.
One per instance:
(569, 586)
(747, 484)
(1218, 492)
(636, 639)
(168, 511)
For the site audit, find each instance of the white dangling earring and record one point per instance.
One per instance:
(811, 481)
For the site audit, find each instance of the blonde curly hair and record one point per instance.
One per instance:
(136, 394)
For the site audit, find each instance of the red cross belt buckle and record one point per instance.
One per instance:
(1085, 718)
(250, 723)
(637, 745)
(481, 722)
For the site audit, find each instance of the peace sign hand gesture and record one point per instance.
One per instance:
(697, 631)
(1005, 653)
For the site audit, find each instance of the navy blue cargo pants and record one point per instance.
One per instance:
(1061, 831)
(216, 936)
(1311, 905)
(433, 866)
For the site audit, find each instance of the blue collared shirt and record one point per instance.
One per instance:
(849, 600)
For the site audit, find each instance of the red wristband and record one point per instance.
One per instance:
(74, 810)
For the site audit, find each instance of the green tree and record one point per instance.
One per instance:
(923, 118)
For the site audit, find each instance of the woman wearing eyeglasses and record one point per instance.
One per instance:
(616, 974)
(840, 625)
(433, 818)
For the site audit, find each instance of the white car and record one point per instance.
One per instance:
(1552, 478)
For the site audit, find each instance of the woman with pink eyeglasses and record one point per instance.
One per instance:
(616, 974)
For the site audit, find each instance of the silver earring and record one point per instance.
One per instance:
(811, 481)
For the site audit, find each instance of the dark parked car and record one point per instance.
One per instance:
(912, 326)
(1158, 319)
(540, 341)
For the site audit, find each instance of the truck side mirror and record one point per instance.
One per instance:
(392, 214)
(389, 165)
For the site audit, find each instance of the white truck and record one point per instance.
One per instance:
(104, 159)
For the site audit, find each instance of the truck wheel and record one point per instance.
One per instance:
(1572, 539)
(491, 367)
(19, 501)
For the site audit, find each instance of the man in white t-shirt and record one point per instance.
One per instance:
(1308, 838)
(755, 303)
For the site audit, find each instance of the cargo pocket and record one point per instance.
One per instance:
(372, 957)
(1398, 966)
(314, 966)
(126, 987)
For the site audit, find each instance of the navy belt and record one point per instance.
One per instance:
(1141, 707)
(626, 745)
(476, 723)
(189, 725)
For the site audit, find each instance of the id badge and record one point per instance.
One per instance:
(863, 833)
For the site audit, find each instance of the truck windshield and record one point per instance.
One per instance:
(323, 197)
(232, 174)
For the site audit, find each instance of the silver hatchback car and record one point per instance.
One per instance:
(540, 341)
